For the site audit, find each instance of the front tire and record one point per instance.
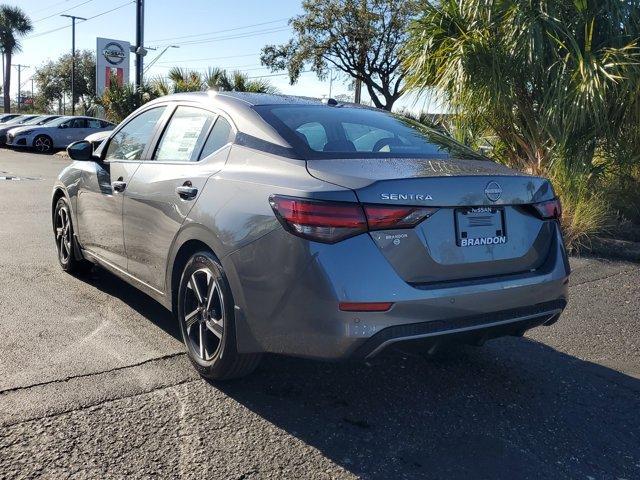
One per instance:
(43, 144)
(205, 314)
(65, 241)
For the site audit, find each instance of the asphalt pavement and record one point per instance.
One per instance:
(94, 384)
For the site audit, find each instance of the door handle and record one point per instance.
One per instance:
(119, 185)
(187, 192)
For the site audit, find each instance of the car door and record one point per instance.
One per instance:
(102, 185)
(192, 147)
(73, 131)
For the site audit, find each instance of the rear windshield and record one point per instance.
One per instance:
(320, 131)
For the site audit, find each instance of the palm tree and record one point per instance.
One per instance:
(119, 100)
(236, 81)
(184, 80)
(14, 23)
(545, 77)
(553, 84)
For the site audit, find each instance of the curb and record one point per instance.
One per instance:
(612, 248)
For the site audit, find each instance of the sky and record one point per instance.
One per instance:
(209, 33)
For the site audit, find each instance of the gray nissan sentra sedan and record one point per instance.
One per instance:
(279, 224)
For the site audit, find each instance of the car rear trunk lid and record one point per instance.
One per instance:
(482, 226)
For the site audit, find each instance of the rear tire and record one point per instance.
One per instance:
(65, 240)
(205, 313)
(43, 144)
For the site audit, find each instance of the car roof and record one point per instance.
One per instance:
(246, 98)
(239, 106)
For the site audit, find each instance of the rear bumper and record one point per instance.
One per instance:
(287, 301)
(431, 336)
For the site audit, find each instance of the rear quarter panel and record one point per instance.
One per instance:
(233, 210)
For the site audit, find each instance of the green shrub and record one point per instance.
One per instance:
(586, 210)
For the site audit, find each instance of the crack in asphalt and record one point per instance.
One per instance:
(98, 405)
(85, 375)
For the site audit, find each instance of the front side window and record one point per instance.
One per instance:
(131, 140)
(185, 135)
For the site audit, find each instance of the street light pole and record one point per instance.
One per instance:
(140, 50)
(152, 62)
(73, 60)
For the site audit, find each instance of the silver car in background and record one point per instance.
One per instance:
(56, 134)
(5, 117)
(277, 224)
(22, 122)
(15, 122)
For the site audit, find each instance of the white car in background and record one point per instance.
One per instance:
(97, 138)
(56, 134)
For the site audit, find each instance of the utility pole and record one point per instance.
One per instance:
(20, 67)
(140, 50)
(73, 60)
(363, 57)
(332, 77)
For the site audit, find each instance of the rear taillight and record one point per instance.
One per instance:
(549, 210)
(330, 222)
(321, 221)
(383, 217)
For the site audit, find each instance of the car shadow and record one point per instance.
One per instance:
(150, 309)
(515, 408)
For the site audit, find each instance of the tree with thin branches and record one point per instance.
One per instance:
(359, 38)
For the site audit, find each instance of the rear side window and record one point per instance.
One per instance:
(184, 137)
(79, 123)
(220, 135)
(131, 140)
(314, 134)
(94, 123)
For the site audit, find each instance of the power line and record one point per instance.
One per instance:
(233, 37)
(52, 5)
(218, 31)
(278, 74)
(89, 18)
(63, 11)
(226, 68)
(209, 58)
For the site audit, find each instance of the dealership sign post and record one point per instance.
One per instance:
(112, 61)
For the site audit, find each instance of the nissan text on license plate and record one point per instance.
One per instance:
(476, 226)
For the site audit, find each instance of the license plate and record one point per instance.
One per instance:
(477, 226)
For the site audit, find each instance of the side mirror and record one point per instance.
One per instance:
(64, 125)
(82, 150)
